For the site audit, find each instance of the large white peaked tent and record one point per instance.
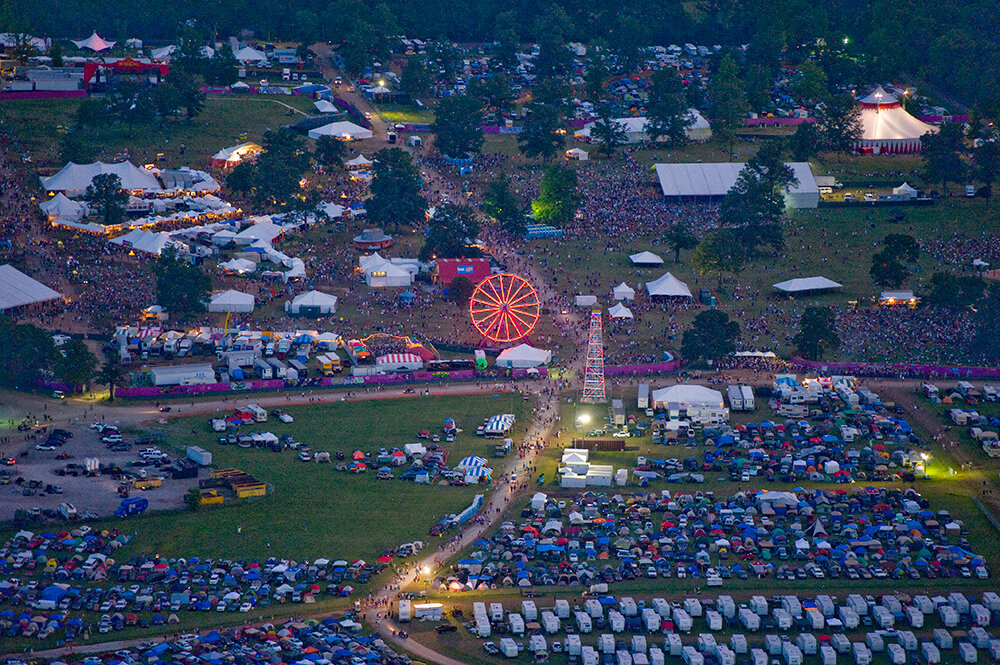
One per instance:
(523, 356)
(17, 289)
(668, 286)
(699, 128)
(315, 302)
(800, 284)
(645, 259)
(887, 128)
(343, 129)
(94, 43)
(382, 273)
(623, 292)
(619, 311)
(697, 180)
(250, 55)
(73, 178)
(60, 207)
(687, 396)
(906, 190)
(141, 240)
(231, 301)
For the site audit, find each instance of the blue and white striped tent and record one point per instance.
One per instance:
(499, 424)
(471, 462)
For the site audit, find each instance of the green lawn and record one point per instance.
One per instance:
(394, 113)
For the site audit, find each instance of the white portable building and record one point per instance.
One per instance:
(875, 642)
(616, 621)
(496, 612)
(979, 637)
(858, 603)
(772, 644)
(807, 642)
(924, 604)
(482, 626)
(827, 655)
(815, 618)
(583, 622)
(682, 620)
(883, 617)
(738, 643)
(991, 599)
(724, 655)
(508, 647)
(593, 607)
(606, 644)
(848, 617)
(749, 620)
(930, 652)
(914, 616)
(516, 622)
(693, 607)
(714, 620)
(638, 644)
(980, 615)
(995, 649)
(758, 657)
(792, 605)
(628, 607)
(655, 656)
(949, 617)
(706, 643)
(782, 619)
(537, 644)
(959, 602)
(726, 605)
(550, 622)
(840, 642)
(862, 654)
(690, 656)
(673, 644)
(791, 653)
(403, 610)
(651, 620)
(758, 605)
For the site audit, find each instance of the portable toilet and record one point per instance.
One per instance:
(858, 603)
(883, 617)
(655, 656)
(508, 647)
(848, 617)
(516, 623)
(592, 607)
(496, 612)
(980, 615)
(875, 642)
(726, 606)
(673, 644)
(758, 605)
(942, 638)
(827, 655)
(682, 620)
(772, 644)
(550, 622)
(690, 656)
(959, 602)
(583, 622)
(862, 654)
(949, 617)
(967, 652)
(924, 604)
(693, 607)
(616, 621)
(623, 657)
(638, 644)
(815, 618)
(897, 656)
(907, 639)
(562, 608)
(537, 644)
(782, 619)
(792, 605)
(979, 637)
(791, 653)
(714, 620)
(807, 642)
(628, 607)
(825, 605)
(749, 620)
(758, 657)
(662, 608)
(705, 643)
(573, 645)
(529, 610)
(589, 656)
(914, 616)
(840, 642)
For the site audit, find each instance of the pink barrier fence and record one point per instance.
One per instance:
(42, 94)
(890, 370)
(777, 122)
(944, 118)
(648, 368)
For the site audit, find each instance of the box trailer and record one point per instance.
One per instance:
(643, 400)
(735, 397)
(278, 369)
(262, 369)
(748, 401)
(403, 611)
(199, 455)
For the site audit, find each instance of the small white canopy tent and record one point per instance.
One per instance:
(324, 106)
(800, 284)
(645, 259)
(359, 162)
(250, 55)
(623, 292)
(17, 289)
(60, 207)
(578, 154)
(231, 301)
(94, 43)
(619, 311)
(233, 155)
(324, 303)
(345, 130)
(239, 266)
(906, 190)
(523, 356)
(668, 286)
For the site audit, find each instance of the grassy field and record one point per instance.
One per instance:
(311, 509)
(393, 113)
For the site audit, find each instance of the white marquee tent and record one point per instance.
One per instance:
(359, 162)
(324, 106)
(343, 129)
(60, 207)
(668, 286)
(332, 210)
(382, 273)
(250, 55)
(239, 266)
(623, 292)
(687, 396)
(140, 240)
(716, 179)
(523, 356)
(578, 154)
(800, 284)
(699, 129)
(645, 259)
(887, 128)
(324, 303)
(619, 311)
(17, 289)
(231, 301)
(261, 232)
(73, 178)
(906, 190)
(94, 43)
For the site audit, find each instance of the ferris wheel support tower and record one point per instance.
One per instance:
(593, 374)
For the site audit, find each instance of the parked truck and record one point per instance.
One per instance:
(132, 506)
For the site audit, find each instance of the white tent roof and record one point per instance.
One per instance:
(17, 289)
(236, 153)
(231, 301)
(248, 54)
(698, 121)
(619, 311)
(315, 299)
(905, 188)
(360, 160)
(630, 125)
(60, 207)
(669, 286)
(94, 43)
(378, 89)
(646, 258)
(341, 130)
(332, 210)
(806, 284)
(623, 292)
(74, 178)
(324, 106)
(163, 53)
(892, 123)
(717, 178)
(239, 265)
(577, 152)
(143, 241)
(523, 355)
(259, 232)
(688, 395)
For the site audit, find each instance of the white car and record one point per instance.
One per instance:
(246, 607)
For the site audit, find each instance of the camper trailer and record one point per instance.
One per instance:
(735, 397)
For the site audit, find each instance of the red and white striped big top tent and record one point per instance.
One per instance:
(887, 128)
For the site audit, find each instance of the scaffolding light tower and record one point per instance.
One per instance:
(593, 375)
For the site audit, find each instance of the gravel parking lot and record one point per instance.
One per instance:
(96, 494)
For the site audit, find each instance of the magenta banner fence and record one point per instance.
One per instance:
(41, 94)
(777, 122)
(647, 368)
(944, 118)
(890, 370)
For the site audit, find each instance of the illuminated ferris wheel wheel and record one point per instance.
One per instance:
(504, 308)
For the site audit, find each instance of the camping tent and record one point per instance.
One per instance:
(17, 289)
(324, 106)
(248, 55)
(231, 301)
(342, 130)
(313, 303)
(144, 241)
(687, 396)
(577, 154)
(645, 259)
(523, 356)
(668, 286)
(717, 178)
(887, 128)
(623, 292)
(906, 190)
(60, 207)
(699, 129)
(94, 43)
(800, 284)
(239, 265)
(227, 158)
(619, 311)
(359, 162)
(73, 178)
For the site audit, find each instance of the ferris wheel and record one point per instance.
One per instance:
(504, 308)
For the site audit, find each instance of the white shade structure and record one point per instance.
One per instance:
(313, 302)
(359, 162)
(698, 128)
(886, 127)
(698, 180)
(619, 311)
(94, 43)
(800, 284)
(688, 396)
(668, 286)
(906, 190)
(231, 301)
(344, 130)
(523, 356)
(645, 259)
(324, 106)
(248, 55)
(623, 292)
(261, 232)
(143, 241)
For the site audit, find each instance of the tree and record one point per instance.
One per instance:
(75, 364)
(711, 336)
(892, 264)
(680, 237)
(719, 251)
(811, 84)
(416, 79)
(499, 203)
(667, 108)
(986, 341)
(597, 74)
(26, 353)
(609, 134)
(955, 292)
(805, 142)
(76, 146)
(755, 203)
(817, 332)
(728, 102)
(450, 233)
(113, 376)
(540, 136)
(494, 92)
(395, 188)
(181, 287)
(273, 179)
(56, 53)
(942, 153)
(986, 163)
(460, 290)
(23, 50)
(559, 198)
(106, 194)
(458, 126)
(330, 151)
(838, 120)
